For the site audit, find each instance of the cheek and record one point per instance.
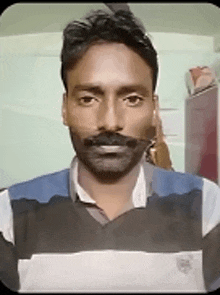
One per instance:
(141, 124)
(141, 127)
(81, 123)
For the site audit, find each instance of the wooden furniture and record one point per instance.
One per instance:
(201, 144)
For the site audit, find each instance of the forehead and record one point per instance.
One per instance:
(111, 64)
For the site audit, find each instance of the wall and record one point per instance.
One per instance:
(33, 138)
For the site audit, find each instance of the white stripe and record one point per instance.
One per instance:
(210, 206)
(6, 217)
(112, 270)
(139, 191)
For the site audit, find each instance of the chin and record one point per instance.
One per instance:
(109, 169)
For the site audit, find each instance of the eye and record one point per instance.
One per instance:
(133, 100)
(87, 100)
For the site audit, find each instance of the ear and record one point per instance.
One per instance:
(64, 109)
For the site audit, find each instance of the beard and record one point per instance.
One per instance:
(107, 164)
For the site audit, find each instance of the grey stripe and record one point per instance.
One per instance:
(214, 286)
(98, 214)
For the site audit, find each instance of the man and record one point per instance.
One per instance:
(112, 222)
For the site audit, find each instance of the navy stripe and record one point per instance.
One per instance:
(42, 188)
(166, 182)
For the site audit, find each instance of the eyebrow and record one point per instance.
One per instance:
(88, 87)
(133, 88)
(98, 90)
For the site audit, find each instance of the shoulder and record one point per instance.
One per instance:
(42, 188)
(202, 193)
(166, 182)
(27, 196)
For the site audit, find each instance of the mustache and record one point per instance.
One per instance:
(112, 138)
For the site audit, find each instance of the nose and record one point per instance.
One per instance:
(110, 117)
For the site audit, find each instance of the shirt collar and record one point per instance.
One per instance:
(140, 192)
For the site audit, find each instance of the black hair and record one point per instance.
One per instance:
(99, 25)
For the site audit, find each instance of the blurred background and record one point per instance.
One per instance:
(33, 140)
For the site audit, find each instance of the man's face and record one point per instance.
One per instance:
(109, 109)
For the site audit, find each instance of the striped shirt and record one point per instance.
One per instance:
(166, 242)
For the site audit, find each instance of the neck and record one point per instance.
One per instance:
(110, 197)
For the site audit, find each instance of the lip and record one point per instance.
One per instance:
(103, 149)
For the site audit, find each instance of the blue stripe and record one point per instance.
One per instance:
(42, 188)
(166, 183)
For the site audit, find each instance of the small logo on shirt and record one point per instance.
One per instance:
(184, 263)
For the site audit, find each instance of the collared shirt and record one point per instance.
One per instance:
(138, 198)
